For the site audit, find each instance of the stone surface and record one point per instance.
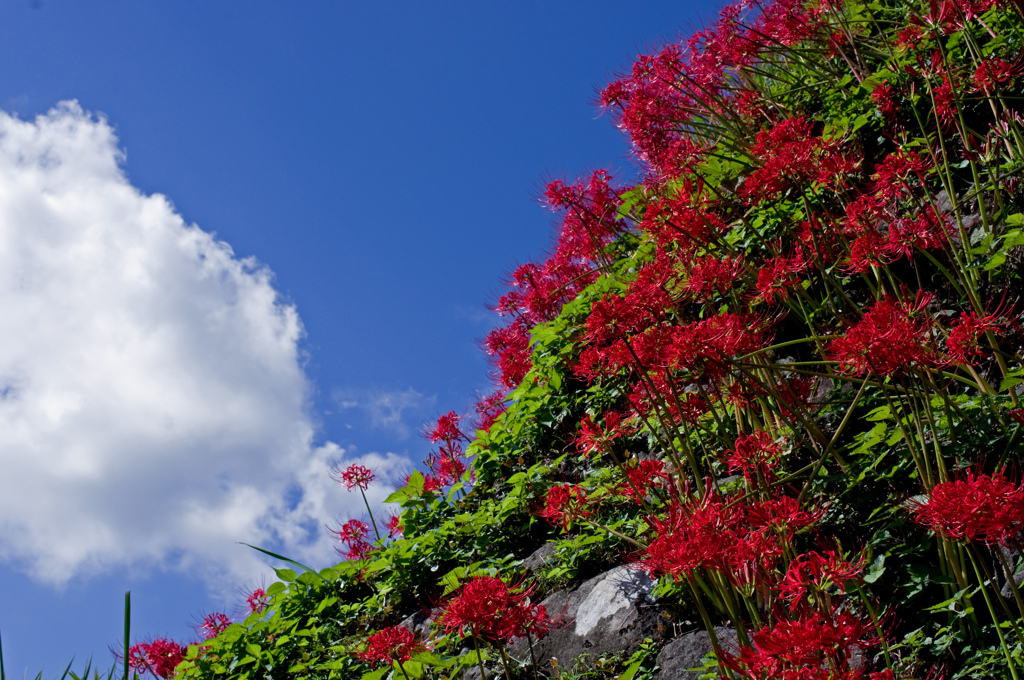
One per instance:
(1012, 558)
(538, 559)
(612, 612)
(688, 651)
(419, 624)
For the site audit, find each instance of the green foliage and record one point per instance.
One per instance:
(858, 454)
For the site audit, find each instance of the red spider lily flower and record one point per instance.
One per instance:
(566, 503)
(432, 484)
(812, 647)
(945, 103)
(509, 349)
(988, 508)
(708, 534)
(689, 407)
(781, 518)
(213, 624)
(891, 337)
(964, 333)
(159, 657)
(756, 455)
(396, 643)
(356, 550)
(352, 530)
(258, 601)
(590, 214)
(892, 173)
(592, 437)
(1018, 415)
(814, 572)
(687, 219)
(926, 230)
(884, 98)
(990, 73)
(777, 276)
(641, 477)
(791, 154)
(869, 249)
(709, 275)
(489, 609)
(354, 476)
(909, 36)
(707, 347)
(394, 526)
(352, 536)
(447, 468)
(488, 409)
(447, 429)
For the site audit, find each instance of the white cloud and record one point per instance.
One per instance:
(153, 410)
(384, 410)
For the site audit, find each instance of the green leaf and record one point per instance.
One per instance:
(286, 560)
(232, 632)
(630, 672)
(880, 413)
(1007, 383)
(375, 675)
(876, 570)
(286, 575)
(412, 489)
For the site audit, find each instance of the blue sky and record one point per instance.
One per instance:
(367, 171)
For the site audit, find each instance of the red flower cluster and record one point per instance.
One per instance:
(352, 535)
(354, 476)
(964, 333)
(988, 508)
(447, 465)
(813, 572)
(726, 535)
(396, 643)
(488, 409)
(813, 647)
(257, 601)
(791, 155)
(891, 338)
(566, 503)
(756, 455)
(158, 658)
(590, 220)
(641, 478)
(213, 624)
(447, 429)
(488, 609)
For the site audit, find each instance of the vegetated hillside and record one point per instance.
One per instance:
(780, 374)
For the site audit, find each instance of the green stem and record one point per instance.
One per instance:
(995, 619)
(479, 657)
(127, 628)
(372, 521)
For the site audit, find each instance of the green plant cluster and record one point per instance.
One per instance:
(860, 448)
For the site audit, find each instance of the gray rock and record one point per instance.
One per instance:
(536, 562)
(610, 613)
(419, 624)
(1012, 558)
(688, 651)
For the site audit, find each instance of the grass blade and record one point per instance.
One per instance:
(127, 627)
(292, 562)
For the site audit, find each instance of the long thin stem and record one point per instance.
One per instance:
(372, 520)
(127, 628)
